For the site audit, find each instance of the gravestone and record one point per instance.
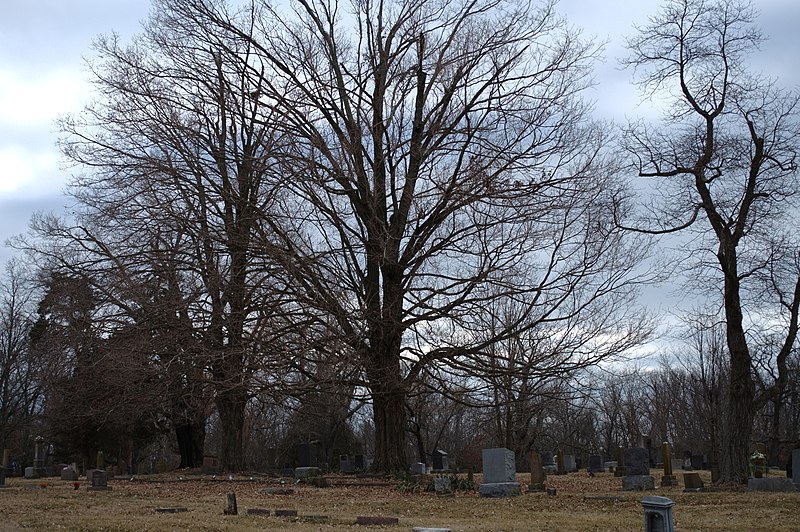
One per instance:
(301, 473)
(499, 473)
(360, 462)
(98, 479)
(307, 455)
(595, 463)
(101, 461)
(418, 468)
(2, 477)
(658, 514)
(538, 476)
(560, 466)
(30, 472)
(440, 462)
(637, 470)
(668, 479)
(548, 462)
(687, 461)
(637, 461)
(692, 482)
(69, 474)
(442, 485)
(210, 464)
(38, 458)
(570, 464)
(619, 471)
(346, 464)
(796, 468)
(775, 484)
(697, 461)
(6, 459)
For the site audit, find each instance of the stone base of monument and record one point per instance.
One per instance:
(500, 489)
(306, 472)
(668, 481)
(535, 488)
(638, 483)
(770, 484)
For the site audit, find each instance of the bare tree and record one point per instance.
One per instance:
(21, 376)
(727, 156)
(435, 148)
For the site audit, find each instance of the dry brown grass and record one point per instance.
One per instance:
(581, 503)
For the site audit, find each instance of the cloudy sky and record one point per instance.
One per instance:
(42, 76)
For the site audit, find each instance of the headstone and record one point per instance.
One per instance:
(442, 485)
(30, 472)
(637, 461)
(370, 520)
(687, 461)
(231, 508)
(595, 463)
(668, 479)
(306, 472)
(638, 483)
(6, 459)
(499, 473)
(38, 457)
(697, 461)
(69, 474)
(775, 484)
(210, 464)
(692, 482)
(440, 462)
(101, 461)
(560, 466)
(361, 463)
(548, 462)
(2, 477)
(418, 468)
(619, 471)
(796, 468)
(658, 514)
(538, 475)
(98, 480)
(547, 458)
(570, 464)
(346, 464)
(307, 455)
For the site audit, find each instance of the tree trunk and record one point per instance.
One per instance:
(389, 414)
(231, 404)
(741, 409)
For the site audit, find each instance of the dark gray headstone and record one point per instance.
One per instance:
(697, 461)
(98, 479)
(307, 455)
(499, 465)
(595, 463)
(360, 462)
(440, 462)
(2, 477)
(499, 474)
(570, 464)
(637, 461)
(346, 464)
(69, 474)
(547, 458)
(796, 468)
(418, 468)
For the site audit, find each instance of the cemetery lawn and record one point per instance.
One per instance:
(581, 503)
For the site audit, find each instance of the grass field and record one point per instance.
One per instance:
(581, 503)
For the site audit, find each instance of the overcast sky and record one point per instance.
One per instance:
(42, 76)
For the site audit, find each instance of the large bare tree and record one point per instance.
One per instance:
(727, 158)
(440, 159)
